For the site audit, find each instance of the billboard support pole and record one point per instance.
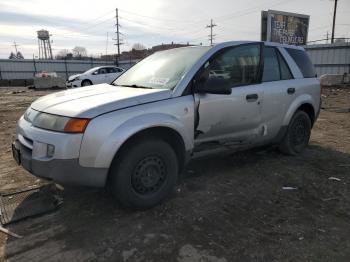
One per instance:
(334, 15)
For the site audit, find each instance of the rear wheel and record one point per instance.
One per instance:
(144, 174)
(298, 134)
(86, 83)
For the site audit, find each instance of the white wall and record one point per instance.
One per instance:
(330, 58)
(26, 68)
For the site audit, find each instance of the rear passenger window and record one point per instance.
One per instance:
(285, 71)
(275, 67)
(111, 70)
(271, 65)
(303, 61)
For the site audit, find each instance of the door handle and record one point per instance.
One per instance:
(252, 97)
(291, 90)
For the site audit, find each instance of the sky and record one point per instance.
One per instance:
(91, 24)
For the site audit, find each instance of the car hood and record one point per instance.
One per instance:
(91, 101)
(73, 76)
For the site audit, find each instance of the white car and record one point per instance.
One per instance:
(96, 75)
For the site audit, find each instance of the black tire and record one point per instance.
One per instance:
(298, 134)
(144, 174)
(86, 83)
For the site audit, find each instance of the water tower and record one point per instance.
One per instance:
(45, 51)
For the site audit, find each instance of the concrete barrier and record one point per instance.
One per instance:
(49, 82)
(334, 79)
(16, 82)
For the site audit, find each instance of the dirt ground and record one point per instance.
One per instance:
(227, 208)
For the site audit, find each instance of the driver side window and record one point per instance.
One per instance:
(237, 65)
(111, 70)
(102, 71)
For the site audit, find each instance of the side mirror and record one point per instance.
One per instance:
(214, 85)
(95, 73)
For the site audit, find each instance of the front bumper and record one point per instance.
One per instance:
(63, 166)
(73, 84)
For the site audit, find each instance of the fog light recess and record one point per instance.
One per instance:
(50, 150)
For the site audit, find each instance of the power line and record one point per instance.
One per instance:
(87, 29)
(211, 36)
(143, 24)
(107, 44)
(159, 19)
(224, 17)
(247, 11)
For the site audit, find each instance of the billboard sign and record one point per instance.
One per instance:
(284, 28)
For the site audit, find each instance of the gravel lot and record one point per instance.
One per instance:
(226, 208)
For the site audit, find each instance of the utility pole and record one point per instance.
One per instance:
(118, 35)
(15, 45)
(106, 46)
(334, 15)
(211, 36)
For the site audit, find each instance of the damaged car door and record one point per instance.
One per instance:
(230, 117)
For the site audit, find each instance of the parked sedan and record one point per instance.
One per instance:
(96, 75)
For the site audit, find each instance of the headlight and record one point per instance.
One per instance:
(61, 123)
(26, 115)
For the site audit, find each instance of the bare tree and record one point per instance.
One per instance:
(138, 46)
(19, 55)
(16, 56)
(64, 54)
(12, 56)
(79, 51)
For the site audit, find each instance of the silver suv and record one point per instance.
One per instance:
(136, 135)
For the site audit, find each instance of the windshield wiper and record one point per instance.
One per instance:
(134, 86)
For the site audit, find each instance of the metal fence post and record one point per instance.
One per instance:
(0, 74)
(34, 64)
(65, 66)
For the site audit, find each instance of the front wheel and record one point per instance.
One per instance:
(298, 134)
(144, 174)
(86, 83)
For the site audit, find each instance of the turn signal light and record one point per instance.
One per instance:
(76, 125)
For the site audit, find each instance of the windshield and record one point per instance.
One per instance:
(162, 70)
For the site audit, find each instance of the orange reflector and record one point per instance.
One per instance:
(76, 125)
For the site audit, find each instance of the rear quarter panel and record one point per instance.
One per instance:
(307, 91)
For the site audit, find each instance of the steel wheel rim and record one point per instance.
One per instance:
(149, 175)
(299, 133)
